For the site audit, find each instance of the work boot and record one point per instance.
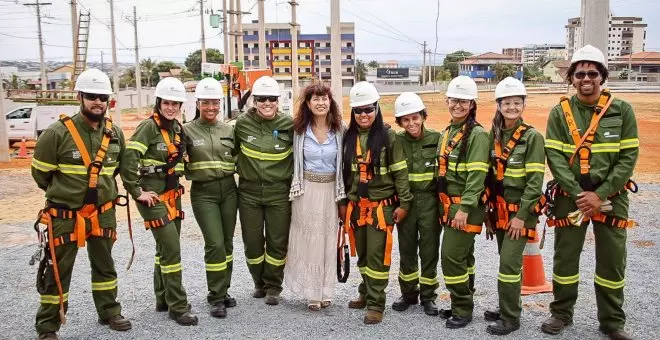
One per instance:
(230, 301)
(163, 307)
(259, 293)
(185, 318)
(618, 334)
(218, 310)
(554, 325)
(272, 299)
(502, 327)
(48, 336)
(404, 302)
(373, 317)
(456, 321)
(430, 308)
(358, 303)
(117, 323)
(444, 313)
(492, 314)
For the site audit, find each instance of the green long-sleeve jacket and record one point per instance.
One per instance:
(58, 168)
(523, 177)
(614, 152)
(264, 148)
(209, 147)
(466, 178)
(392, 177)
(422, 160)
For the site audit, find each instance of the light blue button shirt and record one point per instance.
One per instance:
(319, 158)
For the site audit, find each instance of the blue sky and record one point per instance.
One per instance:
(385, 29)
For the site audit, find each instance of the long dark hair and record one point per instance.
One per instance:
(378, 138)
(470, 123)
(498, 121)
(304, 115)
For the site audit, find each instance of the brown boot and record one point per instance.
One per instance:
(48, 336)
(117, 323)
(259, 293)
(373, 317)
(555, 325)
(618, 334)
(358, 303)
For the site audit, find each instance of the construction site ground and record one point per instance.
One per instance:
(20, 201)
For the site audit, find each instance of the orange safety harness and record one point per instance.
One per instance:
(367, 207)
(446, 147)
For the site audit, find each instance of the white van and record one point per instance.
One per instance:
(29, 121)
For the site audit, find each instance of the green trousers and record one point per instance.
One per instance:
(265, 214)
(509, 275)
(104, 278)
(214, 205)
(420, 230)
(609, 279)
(457, 260)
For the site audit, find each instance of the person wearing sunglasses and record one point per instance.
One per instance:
(316, 188)
(514, 183)
(263, 140)
(378, 196)
(592, 146)
(462, 169)
(62, 167)
(213, 196)
(151, 167)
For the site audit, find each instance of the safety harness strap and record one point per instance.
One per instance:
(169, 199)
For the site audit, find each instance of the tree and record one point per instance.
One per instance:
(532, 72)
(194, 60)
(504, 70)
(163, 66)
(452, 59)
(127, 78)
(15, 83)
(65, 84)
(373, 64)
(360, 70)
(147, 66)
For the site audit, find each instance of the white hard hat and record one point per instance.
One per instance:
(93, 81)
(407, 103)
(172, 89)
(363, 93)
(510, 87)
(462, 87)
(208, 88)
(266, 86)
(588, 53)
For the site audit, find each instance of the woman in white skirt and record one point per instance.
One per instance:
(316, 189)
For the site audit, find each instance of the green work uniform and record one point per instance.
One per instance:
(59, 170)
(390, 180)
(265, 169)
(145, 148)
(465, 179)
(614, 154)
(523, 181)
(421, 228)
(214, 198)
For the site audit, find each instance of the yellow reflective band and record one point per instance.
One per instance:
(382, 170)
(362, 270)
(509, 278)
(211, 165)
(43, 166)
(472, 270)
(274, 261)
(409, 277)
(139, 147)
(452, 280)
(630, 143)
(230, 258)
(428, 176)
(566, 280)
(514, 172)
(256, 260)
(216, 267)
(170, 269)
(148, 161)
(535, 167)
(451, 166)
(262, 156)
(605, 147)
(427, 281)
(108, 170)
(54, 299)
(398, 166)
(609, 284)
(554, 144)
(71, 169)
(376, 274)
(156, 260)
(108, 285)
(477, 166)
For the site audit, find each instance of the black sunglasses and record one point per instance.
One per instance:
(582, 74)
(367, 110)
(94, 96)
(263, 99)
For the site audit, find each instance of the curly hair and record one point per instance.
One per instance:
(304, 115)
(604, 73)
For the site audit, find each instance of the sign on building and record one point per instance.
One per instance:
(210, 69)
(392, 73)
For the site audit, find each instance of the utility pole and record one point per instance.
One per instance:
(630, 64)
(294, 49)
(335, 51)
(262, 36)
(116, 119)
(102, 61)
(201, 17)
(239, 31)
(224, 31)
(232, 37)
(74, 26)
(44, 82)
(424, 63)
(595, 16)
(138, 71)
(4, 140)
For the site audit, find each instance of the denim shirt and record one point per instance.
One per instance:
(319, 158)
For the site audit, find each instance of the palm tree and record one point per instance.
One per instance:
(147, 65)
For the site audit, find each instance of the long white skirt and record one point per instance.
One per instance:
(311, 264)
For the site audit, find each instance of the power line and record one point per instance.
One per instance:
(388, 25)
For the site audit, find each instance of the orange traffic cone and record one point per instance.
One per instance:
(533, 275)
(22, 151)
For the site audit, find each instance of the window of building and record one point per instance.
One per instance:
(287, 70)
(246, 57)
(327, 44)
(316, 57)
(287, 45)
(256, 32)
(327, 57)
(256, 58)
(245, 46)
(327, 70)
(245, 32)
(316, 44)
(349, 44)
(267, 45)
(286, 57)
(349, 57)
(349, 69)
(307, 69)
(308, 57)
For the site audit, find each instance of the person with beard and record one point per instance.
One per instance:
(210, 167)
(592, 146)
(150, 170)
(80, 205)
(378, 196)
(263, 140)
